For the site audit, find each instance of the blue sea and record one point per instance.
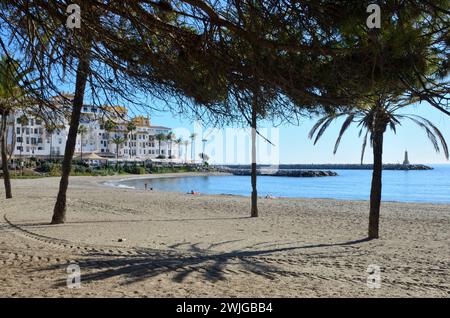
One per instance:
(431, 186)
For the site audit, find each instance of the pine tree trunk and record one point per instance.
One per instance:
(4, 155)
(375, 192)
(254, 208)
(59, 212)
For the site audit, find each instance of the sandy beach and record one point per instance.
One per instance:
(135, 243)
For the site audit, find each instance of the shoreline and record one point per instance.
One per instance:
(202, 174)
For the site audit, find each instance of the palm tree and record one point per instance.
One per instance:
(130, 128)
(179, 142)
(160, 137)
(50, 131)
(204, 141)
(186, 144)
(170, 137)
(23, 121)
(118, 141)
(373, 122)
(82, 130)
(192, 137)
(10, 94)
(109, 127)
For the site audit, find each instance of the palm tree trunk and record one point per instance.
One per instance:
(375, 192)
(51, 146)
(254, 208)
(59, 212)
(6, 176)
(192, 149)
(20, 155)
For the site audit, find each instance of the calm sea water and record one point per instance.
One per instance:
(404, 186)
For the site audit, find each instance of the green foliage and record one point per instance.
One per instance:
(110, 125)
(55, 170)
(131, 126)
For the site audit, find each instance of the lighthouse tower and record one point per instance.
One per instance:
(406, 161)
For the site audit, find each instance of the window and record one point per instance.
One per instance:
(20, 148)
(38, 122)
(18, 130)
(19, 139)
(40, 148)
(60, 141)
(28, 141)
(28, 131)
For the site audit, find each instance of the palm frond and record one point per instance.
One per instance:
(316, 126)
(430, 128)
(344, 127)
(324, 127)
(428, 131)
(363, 150)
(323, 124)
(392, 126)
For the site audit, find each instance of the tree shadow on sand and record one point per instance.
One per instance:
(145, 263)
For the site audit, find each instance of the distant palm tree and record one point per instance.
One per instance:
(23, 121)
(373, 122)
(170, 138)
(204, 141)
(130, 128)
(193, 136)
(82, 130)
(186, 144)
(160, 138)
(50, 129)
(109, 126)
(179, 142)
(118, 141)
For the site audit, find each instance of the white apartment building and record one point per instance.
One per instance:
(33, 138)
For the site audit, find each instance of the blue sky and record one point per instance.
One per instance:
(295, 147)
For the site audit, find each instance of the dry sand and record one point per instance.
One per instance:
(179, 245)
